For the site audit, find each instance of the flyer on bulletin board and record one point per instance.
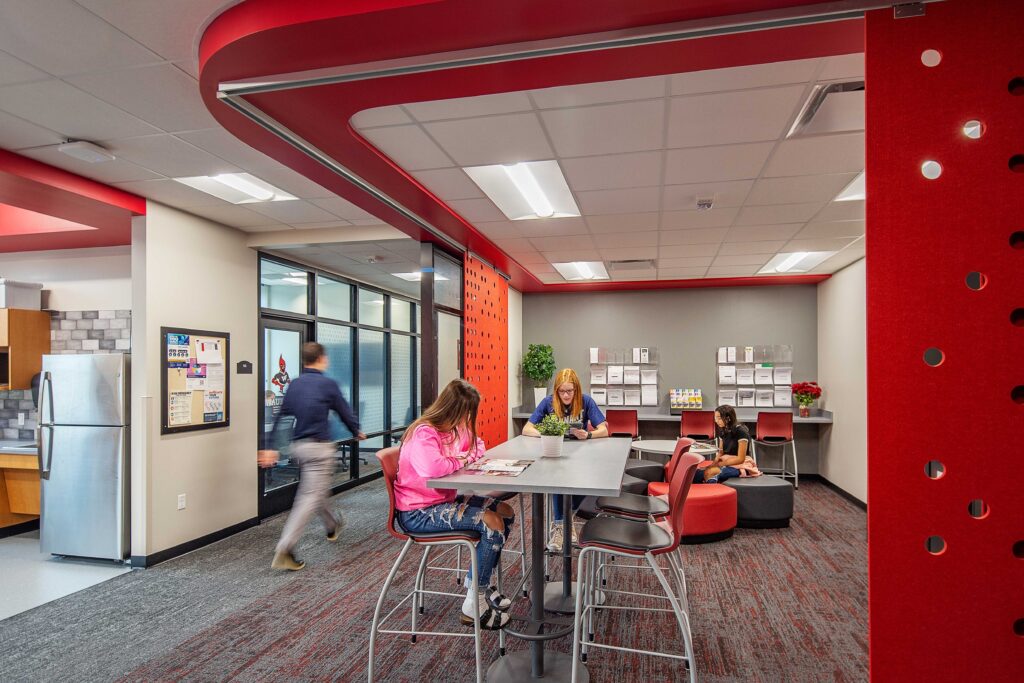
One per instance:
(177, 350)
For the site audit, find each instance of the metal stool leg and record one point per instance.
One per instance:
(380, 604)
(796, 467)
(681, 618)
(474, 582)
(577, 620)
(417, 596)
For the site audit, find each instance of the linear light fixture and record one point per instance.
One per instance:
(237, 188)
(417, 276)
(248, 187)
(856, 190)
(794, 262)
(524, 181)
(526, 190)
(582, 270)
(790, 261)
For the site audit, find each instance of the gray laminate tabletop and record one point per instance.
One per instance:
(586, 468)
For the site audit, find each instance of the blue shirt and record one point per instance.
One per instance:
(591, 413)
(310, 399)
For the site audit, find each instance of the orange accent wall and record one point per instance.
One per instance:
(485, 346)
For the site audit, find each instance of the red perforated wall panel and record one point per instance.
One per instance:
(485, 349)
(948, 615)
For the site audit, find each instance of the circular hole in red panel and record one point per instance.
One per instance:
(932, 169)
(934, 357)
(1017, 394)
(974, 129)
(935, 545)
(1016, 86)
(931, 57)
(934, 469)
(978, 509)
(1017, 317)
(1018, 627)
(1018, 550)
(1016, 163)
(1017, 240)
(976, 280)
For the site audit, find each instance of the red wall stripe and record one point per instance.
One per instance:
(485, 346)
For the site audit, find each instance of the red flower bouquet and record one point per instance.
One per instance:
(806, 393)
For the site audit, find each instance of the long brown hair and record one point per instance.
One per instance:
(454, 408)
(728, 415)
(576, 407)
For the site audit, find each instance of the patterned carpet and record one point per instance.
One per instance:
(767, 605)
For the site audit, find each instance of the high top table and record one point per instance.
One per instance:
(586, 468)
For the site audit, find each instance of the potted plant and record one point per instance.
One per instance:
(539, 366)
(806, 393)
(551, 432)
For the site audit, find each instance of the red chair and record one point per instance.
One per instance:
(776, 429)
(698, 425)
(462, 538)
(660, 488)
(622, 423)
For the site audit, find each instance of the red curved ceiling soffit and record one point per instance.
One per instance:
(260, 38)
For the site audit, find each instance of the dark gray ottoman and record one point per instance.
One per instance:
(762, 502)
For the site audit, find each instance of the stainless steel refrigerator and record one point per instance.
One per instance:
(83, 455)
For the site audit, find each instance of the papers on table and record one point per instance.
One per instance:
(762, 375)
(600, 396)
(614, 397)
(783, 396)
(784, 376)
(764, 398)
(648, 377)
(499, 468)
(744, 376)
(614, 375)
(649, 395)
(631, 374)
(727, 374)
(598, 376)
(745, 398)
(631, 397)
(727, 397)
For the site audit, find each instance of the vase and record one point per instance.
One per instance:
(551, 446)
(538, 395)
(805, 411)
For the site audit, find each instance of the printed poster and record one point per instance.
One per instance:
(213, 402)
(215, 377)
(179, 408)
(177, 351)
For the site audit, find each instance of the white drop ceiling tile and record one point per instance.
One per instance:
(539, 227)
(843, 67)
(731, 271)
(189, 66)
(688, 250)
(115, 171)
(162, 95)
(720, 162)
(449, 183)
(572, 254)
(549, 244)
(379, 116)
(499, 230)
(292, 212)
(798, 189)
(736, 248)
(516, 246)
(265, 228)
(326, 224)
(235, 216)
(168, 28)
(821, 244)
(818, 155)
(366, 222)
(850, 254)
(763, 233)
(842, 211)
(17, 133)
(742, 260)
(634, 275)
(839, 113)
(633, 200)
(746, 116)
(468, 107)
(537, 268)
(171, 193)
(528, 258)
(13, 70)
(223, 144)
(62, 38)
(700, 236)
(777, 213)
(502, 139)
(725, 195)
(680, 273)
(600, 93)
(169, 156)
(409, 147)
(67, 110)
(550, 278)
(626, 239)
(606, 129)
(625, 253)
(743, 77)
(342, 208)
(688, 220)
(293, 183)
(686, 262)
(835, 229)
(474, 210)
(615, 171)
(631, 222)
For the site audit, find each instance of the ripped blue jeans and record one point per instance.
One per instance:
(465, 512)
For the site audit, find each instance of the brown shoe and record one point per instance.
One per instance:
(286, 561)
(339, 524)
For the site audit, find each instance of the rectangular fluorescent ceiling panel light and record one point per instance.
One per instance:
(417, 276)
(582, 270)
(856, 190)
(794, 262)
(527, 190)
(237, 188)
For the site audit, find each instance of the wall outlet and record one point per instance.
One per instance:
(21, 419)
(181, 501)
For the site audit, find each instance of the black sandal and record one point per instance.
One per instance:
(490, 620)
(496, 600)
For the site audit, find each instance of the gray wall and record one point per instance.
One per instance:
(685, 325)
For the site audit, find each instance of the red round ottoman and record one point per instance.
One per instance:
(660, 488)
(709, 513)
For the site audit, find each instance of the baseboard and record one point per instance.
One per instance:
(845, 494)
(146, 561)
(20, 528)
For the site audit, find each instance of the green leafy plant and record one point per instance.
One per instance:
(539, 363)
(552, 426)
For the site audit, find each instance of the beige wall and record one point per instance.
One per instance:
(842, 372)
(76, 279)
(192, 273)
(515, 353)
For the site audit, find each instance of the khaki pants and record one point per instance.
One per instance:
(316, 465)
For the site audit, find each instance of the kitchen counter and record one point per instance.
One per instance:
(15, 447)
(19, 482)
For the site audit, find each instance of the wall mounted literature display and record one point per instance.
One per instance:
(755, 376)
(624, 377)
(195, 383)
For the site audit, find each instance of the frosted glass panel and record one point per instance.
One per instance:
(371, 308)
(402, 380)
(401, 312)
(337, 341)
(371, 380)
(283, 288)
(333, 299)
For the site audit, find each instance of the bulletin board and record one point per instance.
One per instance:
(195, 383)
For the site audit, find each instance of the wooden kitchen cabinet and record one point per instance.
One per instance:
(24, 338)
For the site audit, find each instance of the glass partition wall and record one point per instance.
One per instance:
(372, 338)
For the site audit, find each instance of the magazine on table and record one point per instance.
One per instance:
(498, 468)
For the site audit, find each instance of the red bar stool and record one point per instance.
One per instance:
(468, 539)
(698, 425)
(776, 429)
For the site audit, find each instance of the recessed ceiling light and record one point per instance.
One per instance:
(794, 262)
(295, 280)
(417, 276)
(527, 190)
(237, 188)
(582, 270)
(85, 151)
(856, 190)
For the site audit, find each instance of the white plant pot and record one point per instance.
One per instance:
(551, 446)
(538, 395)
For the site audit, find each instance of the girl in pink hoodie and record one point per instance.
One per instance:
(440, 442)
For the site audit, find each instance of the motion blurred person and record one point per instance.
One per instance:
(309, 399)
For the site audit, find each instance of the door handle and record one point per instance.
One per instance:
(45, 454)
(48, 396)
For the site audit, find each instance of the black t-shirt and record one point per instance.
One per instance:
(731, 439)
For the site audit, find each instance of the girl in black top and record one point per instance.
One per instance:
(733, 457)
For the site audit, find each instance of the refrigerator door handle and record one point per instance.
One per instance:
(45, 454)
(48, 396)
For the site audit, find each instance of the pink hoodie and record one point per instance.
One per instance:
(429, 454)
